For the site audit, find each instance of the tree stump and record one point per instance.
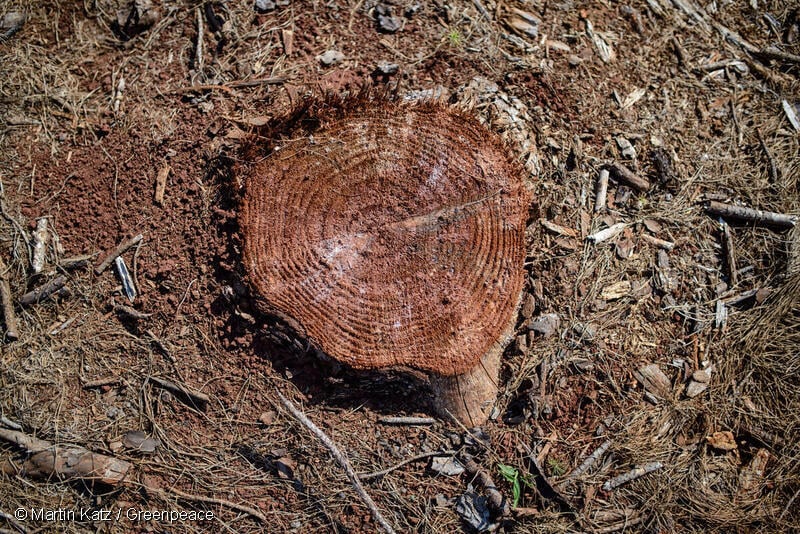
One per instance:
(392, 235)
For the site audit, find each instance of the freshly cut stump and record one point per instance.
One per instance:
(392, 235)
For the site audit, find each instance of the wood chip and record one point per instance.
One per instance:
(654, 380)
(161, 184)
(606, 234)
(722, 441)
(791, 114)
(557, 228)
(617, 290)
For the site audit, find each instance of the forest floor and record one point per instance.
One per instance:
(669, 350)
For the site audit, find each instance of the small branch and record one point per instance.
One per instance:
(589, 461)
(92, 384)
(120, 250)
(77, 262)
(10, 518)
(496, 499)
(660, 243)
(131, 313)
(407, 420)
(482, 10)
(8, 423)
(193, 399)
(633, 474)
(377, 474)
(627, 176)
(730, 254)
(602, 191)
(43, 292)
(773, 168)
(767, 218)
(199, 59)
(341, 459)
(10, 318)
(209, 500)
(606, 234)
(772, 52)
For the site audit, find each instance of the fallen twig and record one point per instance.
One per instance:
(773, 168)
(10, 318)
(210, 500)
(132, 313)
(589, 461)
(730, 254)
(606, 234)
(43, 292)
(77, 262)
(8, 423)
(496, 499)
(407, 420)
(194, 399)
(767, 218)
(602, 191)
(772, 52)
(199, 55)
(341, 459)
(660, 243)
(67, 461)
(627, 176)
(557, 228)
(382, 472)
(8, 517)
(121, 248)
(633, 474)
(100, 382)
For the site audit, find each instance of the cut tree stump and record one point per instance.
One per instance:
(392, 236)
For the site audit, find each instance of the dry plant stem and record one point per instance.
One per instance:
(616, 527)
(13, 522)
(341, 459)
(199, 60)
(606, 234)
(10, 318)
(132, 313)
(121, 248)
(633, 474)
(41, 293)
(193, 399)
(69, 461)
(660, 243)
(407, 461)
(589, 461)
(496, 499)
(602, 191)
(407, 420)
(730, 254)
(210, 500)
(627, 176)
(772, 52)
(773, 168)
(766, 218)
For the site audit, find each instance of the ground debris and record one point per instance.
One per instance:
(136, 17)
(654, 380)
(473, 509)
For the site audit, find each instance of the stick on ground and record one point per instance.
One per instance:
(628, 177)
(121, 248)
(740, 213)
(602, 191)
(10, 318)
(43, 292)
(633, 474)
(341, 459)
(589, 461)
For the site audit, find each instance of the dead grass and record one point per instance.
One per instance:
(56, 95)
